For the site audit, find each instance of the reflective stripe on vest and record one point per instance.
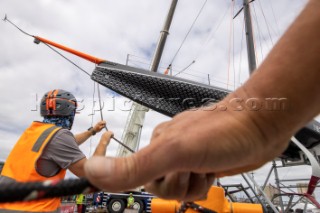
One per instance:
(37, 145)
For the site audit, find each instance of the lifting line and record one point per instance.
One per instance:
(78, 53)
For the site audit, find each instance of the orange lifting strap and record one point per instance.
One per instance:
(72, 51)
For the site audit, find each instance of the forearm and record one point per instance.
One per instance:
(82, 137)
(291, 71)
(101, 148)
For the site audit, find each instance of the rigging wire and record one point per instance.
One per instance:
(213, 32)
(93, 103)
(274, 17)
(6, 19)
(37, 41)
(239, 77)
(99, 97)
(135, 63)
(100, 105)
(192, 25)
(209, 38)
(266, 22)
(184, 69)
(259, 32)
(63, 56)
(185, 38)
(233, 53)
(230, 43)
(106, 128)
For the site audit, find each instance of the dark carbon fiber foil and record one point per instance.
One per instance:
(171, 95)
(165, 94)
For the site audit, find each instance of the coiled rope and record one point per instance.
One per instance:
(18, 191)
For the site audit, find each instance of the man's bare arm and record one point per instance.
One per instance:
(188, 151)
(82, 137)
(77, 168)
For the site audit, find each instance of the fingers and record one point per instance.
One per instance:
(199, 186)
(99, 126)
(108, 134)
(184, 186)
(171, 186)
(106, 137)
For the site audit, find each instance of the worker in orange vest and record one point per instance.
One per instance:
(47, 149)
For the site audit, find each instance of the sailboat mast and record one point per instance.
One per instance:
(135, 120)
(163, 37)
(249, 37)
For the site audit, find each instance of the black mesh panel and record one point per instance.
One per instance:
(165, 94)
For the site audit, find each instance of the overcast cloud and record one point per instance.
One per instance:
(117, 30)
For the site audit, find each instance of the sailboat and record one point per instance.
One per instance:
(161, 89)
(113, 75)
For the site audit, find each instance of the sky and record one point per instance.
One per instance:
(125, 31)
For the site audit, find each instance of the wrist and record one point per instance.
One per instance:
(92, 131)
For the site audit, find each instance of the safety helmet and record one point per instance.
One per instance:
(58, 103)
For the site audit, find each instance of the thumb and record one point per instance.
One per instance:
(119, 174)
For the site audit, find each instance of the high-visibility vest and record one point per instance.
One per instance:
(80, 199)
(130, 200)
(21, 166)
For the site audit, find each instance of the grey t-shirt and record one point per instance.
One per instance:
(60, 152)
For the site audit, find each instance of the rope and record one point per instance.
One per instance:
(16, 191)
